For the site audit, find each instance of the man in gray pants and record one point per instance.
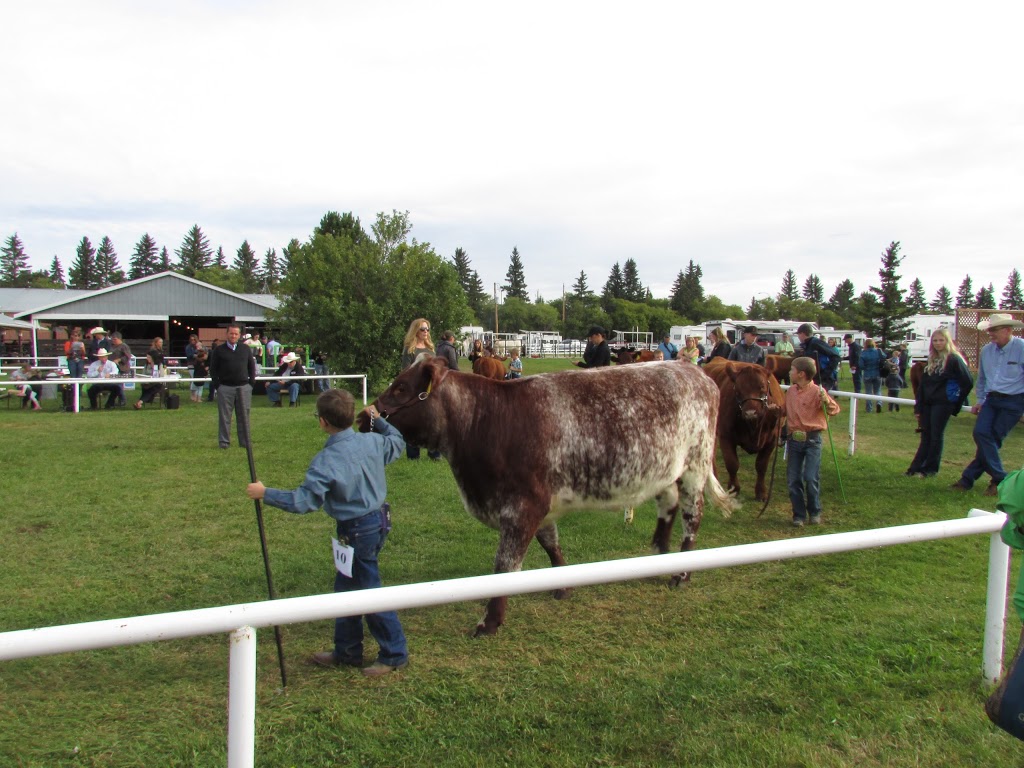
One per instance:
(233, 373)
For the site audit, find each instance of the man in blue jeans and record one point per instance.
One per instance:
(1000, 392)
(347, 480)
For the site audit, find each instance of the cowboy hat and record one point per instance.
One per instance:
(999, 320)
(290, 357)
(98, 329)
(101, 352)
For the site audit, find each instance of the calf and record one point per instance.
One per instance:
(584, 450)
(489, 367)
(779, 366)
(750, 416)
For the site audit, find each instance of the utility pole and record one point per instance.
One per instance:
(495, 309)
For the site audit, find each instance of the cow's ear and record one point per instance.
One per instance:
(731, 370)
(438, 369)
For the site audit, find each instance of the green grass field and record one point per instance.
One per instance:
(863, 659)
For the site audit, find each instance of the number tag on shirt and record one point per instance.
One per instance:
(342, 557)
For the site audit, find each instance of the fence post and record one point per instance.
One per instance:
(853, 427)
(995, 603)
(242, 698)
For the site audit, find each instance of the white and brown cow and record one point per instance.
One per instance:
(583, 448)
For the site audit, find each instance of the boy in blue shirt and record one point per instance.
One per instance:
(347, 480)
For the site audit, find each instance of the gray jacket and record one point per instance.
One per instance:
(447, 351)
(748, 353)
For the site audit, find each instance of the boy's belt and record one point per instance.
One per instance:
(800, 436)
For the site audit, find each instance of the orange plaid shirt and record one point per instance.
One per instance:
(804, 411)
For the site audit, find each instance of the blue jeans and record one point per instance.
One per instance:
(873, 386)
(366, 535)
(802, 469)
(997, 417)
(933, 427)
(274, 391)
(322, 385)
(76, 369)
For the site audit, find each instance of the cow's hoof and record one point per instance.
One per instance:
(561, 594)
(482, 630)
(679, 580)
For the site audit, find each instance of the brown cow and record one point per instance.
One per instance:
(583, 451)
(779, 367)
(626, 356)
(489, 367)
(750, 415)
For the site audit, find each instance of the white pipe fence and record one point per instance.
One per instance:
(77, 383)
(241, 620)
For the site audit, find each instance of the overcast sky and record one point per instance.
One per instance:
(751, 137)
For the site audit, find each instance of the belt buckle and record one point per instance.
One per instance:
(799, 435)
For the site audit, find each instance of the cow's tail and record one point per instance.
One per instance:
(721, 498)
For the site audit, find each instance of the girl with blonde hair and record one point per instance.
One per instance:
(945, 384)
(417, 342)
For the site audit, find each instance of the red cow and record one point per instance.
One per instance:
(750, 416)
(779, 366)
(584, 450)
(489, 367)
(625, 356)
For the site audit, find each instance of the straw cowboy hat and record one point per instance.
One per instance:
(101, 352)
(97, 329)
(999, 320)
(289, 358)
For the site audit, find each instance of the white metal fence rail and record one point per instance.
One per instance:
(241, 620)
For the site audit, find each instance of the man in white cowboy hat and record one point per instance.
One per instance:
(1000, 393)
(103, 368)
(290, 366)
(98, 341)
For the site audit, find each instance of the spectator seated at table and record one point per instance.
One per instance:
(103, 368)
(29, 394)
(290, 366)
(154, 369)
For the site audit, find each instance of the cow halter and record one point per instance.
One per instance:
(411, 401)
(763, 399)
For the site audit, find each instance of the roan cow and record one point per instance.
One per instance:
(489, 367)
(750, 416)
(584, 449)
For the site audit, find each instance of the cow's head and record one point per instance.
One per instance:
(752, 385)
(407, 405)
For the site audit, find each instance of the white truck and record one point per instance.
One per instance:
(921, 329)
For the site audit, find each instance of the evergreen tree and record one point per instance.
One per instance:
(943, 302)
(165, 260)
(82, 274)
(965, 294)
(615, 286)
(788, 289)
(461, 261)
(580, 289)
(632, 288)
(813, 291)
(14, 269)
(1013, 298)
(287, 252)
(248, 267)
(986, 298)
(515, 286)
(916, 300)
(271, 271)
(220, 260)
(108, 270)
(687, 296)
(195, 253)
(57, 273)
(891, 309)
(842, 299)
(144, 260)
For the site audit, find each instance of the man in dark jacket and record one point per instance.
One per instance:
(232, 374)
(748, 350)
(853, 356)
(823, 355)
(290, 366)
(446, 349)
(597, 354)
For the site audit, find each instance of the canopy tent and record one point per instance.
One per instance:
(20, 325)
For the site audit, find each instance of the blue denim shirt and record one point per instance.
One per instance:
(347, 477)
(1001, 370)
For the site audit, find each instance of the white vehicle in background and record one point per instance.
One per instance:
(920, 334)
(635, 339)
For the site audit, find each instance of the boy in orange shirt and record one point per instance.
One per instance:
(806, 404)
